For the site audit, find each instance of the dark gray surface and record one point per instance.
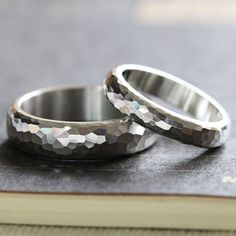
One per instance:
(46, 43)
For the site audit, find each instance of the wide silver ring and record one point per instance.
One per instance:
(74, 123)
(205, 124)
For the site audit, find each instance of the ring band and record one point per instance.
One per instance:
(206, 125)
(74, 123)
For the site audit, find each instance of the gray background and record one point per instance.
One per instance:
(44, 43)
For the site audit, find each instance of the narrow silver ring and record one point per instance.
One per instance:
(74, 123)
(202, 121)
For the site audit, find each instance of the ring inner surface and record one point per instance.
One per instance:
(173, 93)
(79, 104)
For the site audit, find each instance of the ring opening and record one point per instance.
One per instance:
(173, 93)
(74, 104)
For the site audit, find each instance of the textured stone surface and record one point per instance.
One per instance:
(132, 103)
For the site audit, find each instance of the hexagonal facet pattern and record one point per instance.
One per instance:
(120, 88)
(79, 140)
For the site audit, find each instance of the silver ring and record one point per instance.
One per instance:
(202, 121)
(74, 123)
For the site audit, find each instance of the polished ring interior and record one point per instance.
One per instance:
(74, 123)
(207, 123)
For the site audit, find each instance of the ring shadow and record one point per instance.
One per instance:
(205, 159)
(10, 155)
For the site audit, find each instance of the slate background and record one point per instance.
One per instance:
(44, 43)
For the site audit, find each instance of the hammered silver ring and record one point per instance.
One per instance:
(74, 123)
(196, 119)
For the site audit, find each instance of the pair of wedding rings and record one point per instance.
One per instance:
(80, 123)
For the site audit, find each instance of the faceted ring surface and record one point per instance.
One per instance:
(74, 123)
(194, 117)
